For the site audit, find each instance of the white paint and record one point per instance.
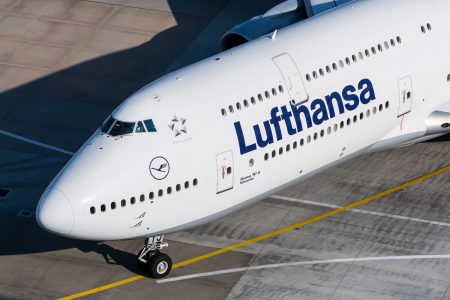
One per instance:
(423, 221)
(36, 143)
(304, 263)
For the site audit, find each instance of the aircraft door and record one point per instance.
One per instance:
(224, 171)
(406, 95)
(292, 77)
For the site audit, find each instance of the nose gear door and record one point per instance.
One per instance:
(406, 95)
(292, 77)
(225, 172)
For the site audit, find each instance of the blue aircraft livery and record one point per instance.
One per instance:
(296, 117)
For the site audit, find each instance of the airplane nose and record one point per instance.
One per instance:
(54, 212)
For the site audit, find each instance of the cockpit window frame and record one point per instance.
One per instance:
(146, 126)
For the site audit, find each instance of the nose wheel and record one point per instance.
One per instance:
(152, 261)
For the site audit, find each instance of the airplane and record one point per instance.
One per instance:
(303, 88)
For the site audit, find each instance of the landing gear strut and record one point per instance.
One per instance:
(151, 260)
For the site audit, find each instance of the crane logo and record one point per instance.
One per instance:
(159, 168)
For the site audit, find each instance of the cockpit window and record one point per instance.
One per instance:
(115, 127)
(140, 127)
(107, 124)
(121, 128)
(150, 126)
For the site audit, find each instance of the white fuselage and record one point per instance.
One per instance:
(207, 123)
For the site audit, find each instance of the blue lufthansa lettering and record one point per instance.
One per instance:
(304, 117)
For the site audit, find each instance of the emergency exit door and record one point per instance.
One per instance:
(225, 171)
(292, 78)
(406, 95)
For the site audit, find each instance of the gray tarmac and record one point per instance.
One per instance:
(66, 64)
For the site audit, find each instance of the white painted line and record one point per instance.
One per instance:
(23, 139)
(304, 263)
(423, 221)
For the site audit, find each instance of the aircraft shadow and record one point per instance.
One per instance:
(105, 82)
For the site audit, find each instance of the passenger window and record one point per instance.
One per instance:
(151, 127)
(169, 190)
(266, 156)
(151, 195)
(133, 200)
(245, 103)
(160, 193)
(113, 205)
(103, 207)
(139, 127)
(274, 92)
(92, 210)
(294, 145)
(195, 182)
(123, 202)
(224, 112)
(253, 100)
(186, 184)
(178, 187)
(274, 153)
(142, 198)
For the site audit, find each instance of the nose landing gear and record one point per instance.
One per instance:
(151, 260)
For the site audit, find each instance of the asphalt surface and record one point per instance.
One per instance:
(66, 64)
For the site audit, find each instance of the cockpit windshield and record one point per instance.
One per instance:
(115, 127)
(121, 128)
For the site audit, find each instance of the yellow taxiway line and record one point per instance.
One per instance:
(267, 235)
